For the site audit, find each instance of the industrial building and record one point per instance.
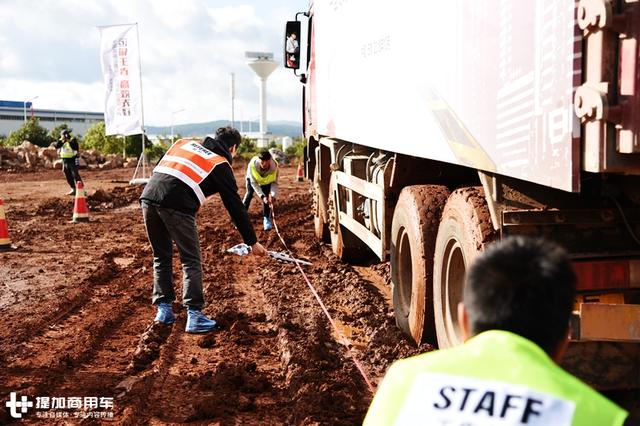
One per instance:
(13, 114)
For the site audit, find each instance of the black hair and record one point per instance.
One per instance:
(229, 136)
(522, 285)
(264, 155)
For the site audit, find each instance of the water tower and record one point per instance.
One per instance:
(263, 65)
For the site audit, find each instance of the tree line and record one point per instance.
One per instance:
(96, 138)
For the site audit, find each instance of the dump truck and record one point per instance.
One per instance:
(435, 128)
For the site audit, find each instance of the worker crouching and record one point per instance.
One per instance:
(262, 179)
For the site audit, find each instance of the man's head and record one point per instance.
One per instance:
(522, 285)
(265, 159)
(65, 134)
(229, 137)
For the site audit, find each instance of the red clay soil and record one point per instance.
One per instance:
(75, 305)
(78, 321)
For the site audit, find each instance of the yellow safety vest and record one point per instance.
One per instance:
(190, 162)
(496, 378)
(66, 151)
(266, 179)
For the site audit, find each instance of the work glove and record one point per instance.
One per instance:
(77, 161)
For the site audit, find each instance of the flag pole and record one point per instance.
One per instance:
(144, 162)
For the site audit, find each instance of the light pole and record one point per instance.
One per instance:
(25, 107)
(172, 114)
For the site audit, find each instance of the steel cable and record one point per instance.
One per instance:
(343, 340)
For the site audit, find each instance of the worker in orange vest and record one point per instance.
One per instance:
(189, 173)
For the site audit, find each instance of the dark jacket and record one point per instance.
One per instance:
(170, 192)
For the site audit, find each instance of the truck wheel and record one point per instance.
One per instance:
(319, 211)
(344, 243)
(413, 235)
(465, 230)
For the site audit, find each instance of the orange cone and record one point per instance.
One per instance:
(5, 242)
(80, 208)
(300, 173)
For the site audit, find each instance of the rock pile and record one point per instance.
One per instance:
(28, 156)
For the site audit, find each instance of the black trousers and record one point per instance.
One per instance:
(266, 189)
(70, 169)
(164, 226)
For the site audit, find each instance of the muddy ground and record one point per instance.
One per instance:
(77, 319)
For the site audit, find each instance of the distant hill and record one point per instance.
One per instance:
(276, 128)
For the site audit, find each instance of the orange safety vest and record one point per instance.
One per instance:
(190, 162)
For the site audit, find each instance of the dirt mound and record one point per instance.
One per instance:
(55, 207)
(119, 196)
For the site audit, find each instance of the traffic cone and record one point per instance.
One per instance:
(300, 173)
(5, 242)
(80, 209)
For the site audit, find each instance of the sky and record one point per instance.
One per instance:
(189, 48)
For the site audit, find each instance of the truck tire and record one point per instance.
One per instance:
(320, 226)
(464, 232)
(413, 236)
(344, 244)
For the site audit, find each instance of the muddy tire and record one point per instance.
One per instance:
(320, 226)
(465, 230)
(344, 244)
(413, 236)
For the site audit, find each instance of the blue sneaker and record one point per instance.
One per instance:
(266, 222)
(198, 323)
(165, 314)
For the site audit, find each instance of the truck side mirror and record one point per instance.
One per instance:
(292, 45)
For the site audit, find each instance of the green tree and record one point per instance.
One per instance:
(95, 138)
(297, 148)
(30, 131)
(247, 146)
(55, 133)
(157, 150)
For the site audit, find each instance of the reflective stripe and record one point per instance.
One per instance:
(190, 162)
(184, 178)
(181, 167)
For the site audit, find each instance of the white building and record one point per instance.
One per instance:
(12, 117)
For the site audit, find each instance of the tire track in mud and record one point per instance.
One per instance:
(275, 359)
(60, 349)
(232, 373)
(33, 320)
(65, 307)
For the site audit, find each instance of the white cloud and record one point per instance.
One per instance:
(188, 50)
(235, 19)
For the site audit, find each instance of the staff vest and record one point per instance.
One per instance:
(270, 177)
(495, 378)
(66, 151)
(190, 162)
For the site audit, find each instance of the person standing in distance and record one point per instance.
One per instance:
(189, 173)
(68, 150)
(514, 318)
(262, 179)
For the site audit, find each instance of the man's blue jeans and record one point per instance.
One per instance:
(164, 226)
